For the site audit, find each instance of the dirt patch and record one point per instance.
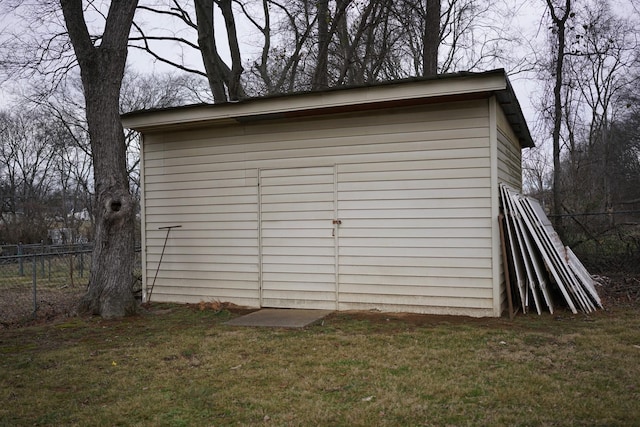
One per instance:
(16, 306)
(409, 319)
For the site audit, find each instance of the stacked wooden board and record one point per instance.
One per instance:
(540, 267)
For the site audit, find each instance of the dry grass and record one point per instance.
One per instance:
(181, 366)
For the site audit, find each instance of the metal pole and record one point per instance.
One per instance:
(20, 260)
(35, 299)
(161, 255)
(42, 259)
(81, 264)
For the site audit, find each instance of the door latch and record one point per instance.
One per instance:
(337, 221)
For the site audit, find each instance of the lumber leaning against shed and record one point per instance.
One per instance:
(540, 248)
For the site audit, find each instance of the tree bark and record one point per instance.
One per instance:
(235, 88)
(431, 38)
(109, 293)
(224, 81)
(209, 49)
(559, 22)
(320, 76)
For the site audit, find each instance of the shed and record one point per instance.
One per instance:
(377, 197)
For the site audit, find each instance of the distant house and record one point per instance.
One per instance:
(382, 197)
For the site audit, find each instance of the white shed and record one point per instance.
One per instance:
(382, 197)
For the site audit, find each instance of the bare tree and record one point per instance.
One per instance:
(219, 75)
(224, 80)
(302, 45)
(26, 162)
(102, 64)
(280, 64)
(559, 15)
(602, 63)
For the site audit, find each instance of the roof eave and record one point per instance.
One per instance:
(416, 91)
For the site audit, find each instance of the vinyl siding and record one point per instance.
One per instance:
(412, 187)
(509, 172)
(297, 245)
(214, 255)
(509, 154)
(392, 252)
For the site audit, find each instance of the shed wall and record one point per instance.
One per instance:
(412, 188)
(509, 154)
(509, 172)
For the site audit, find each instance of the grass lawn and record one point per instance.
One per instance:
(182, 366)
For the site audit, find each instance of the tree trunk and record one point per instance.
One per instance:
(320, 76)
(109, 293)
(222, 79)
(431, 38)
(235, 88)
(209, 50)
(559, 22)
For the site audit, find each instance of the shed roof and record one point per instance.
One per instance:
(406, 92)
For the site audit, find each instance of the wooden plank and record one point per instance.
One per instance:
(525, 253)
(532, 254)
(505, 264)
(584, 276)
(546, 255)
(517, 260)
(538, 239)
(556, 248)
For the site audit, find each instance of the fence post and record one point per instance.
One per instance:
(20, 261)
(42, 257)
(35, 299)
(81, 266)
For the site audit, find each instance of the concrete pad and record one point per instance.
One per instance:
(280, 318)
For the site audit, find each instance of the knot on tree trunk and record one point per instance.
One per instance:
(117, 206)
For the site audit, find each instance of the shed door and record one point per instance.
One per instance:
(298, 243)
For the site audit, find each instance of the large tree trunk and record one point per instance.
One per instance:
(110, 284)
(209, 50)
(431, 38)
(320, 76)
(102, 67)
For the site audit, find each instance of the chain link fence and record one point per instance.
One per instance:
(39, 281)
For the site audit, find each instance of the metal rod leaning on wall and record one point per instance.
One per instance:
(168, 228)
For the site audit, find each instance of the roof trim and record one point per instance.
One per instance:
(414, 91)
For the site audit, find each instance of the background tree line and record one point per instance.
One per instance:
(46, 181)
(591, 110)
(70, 56)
